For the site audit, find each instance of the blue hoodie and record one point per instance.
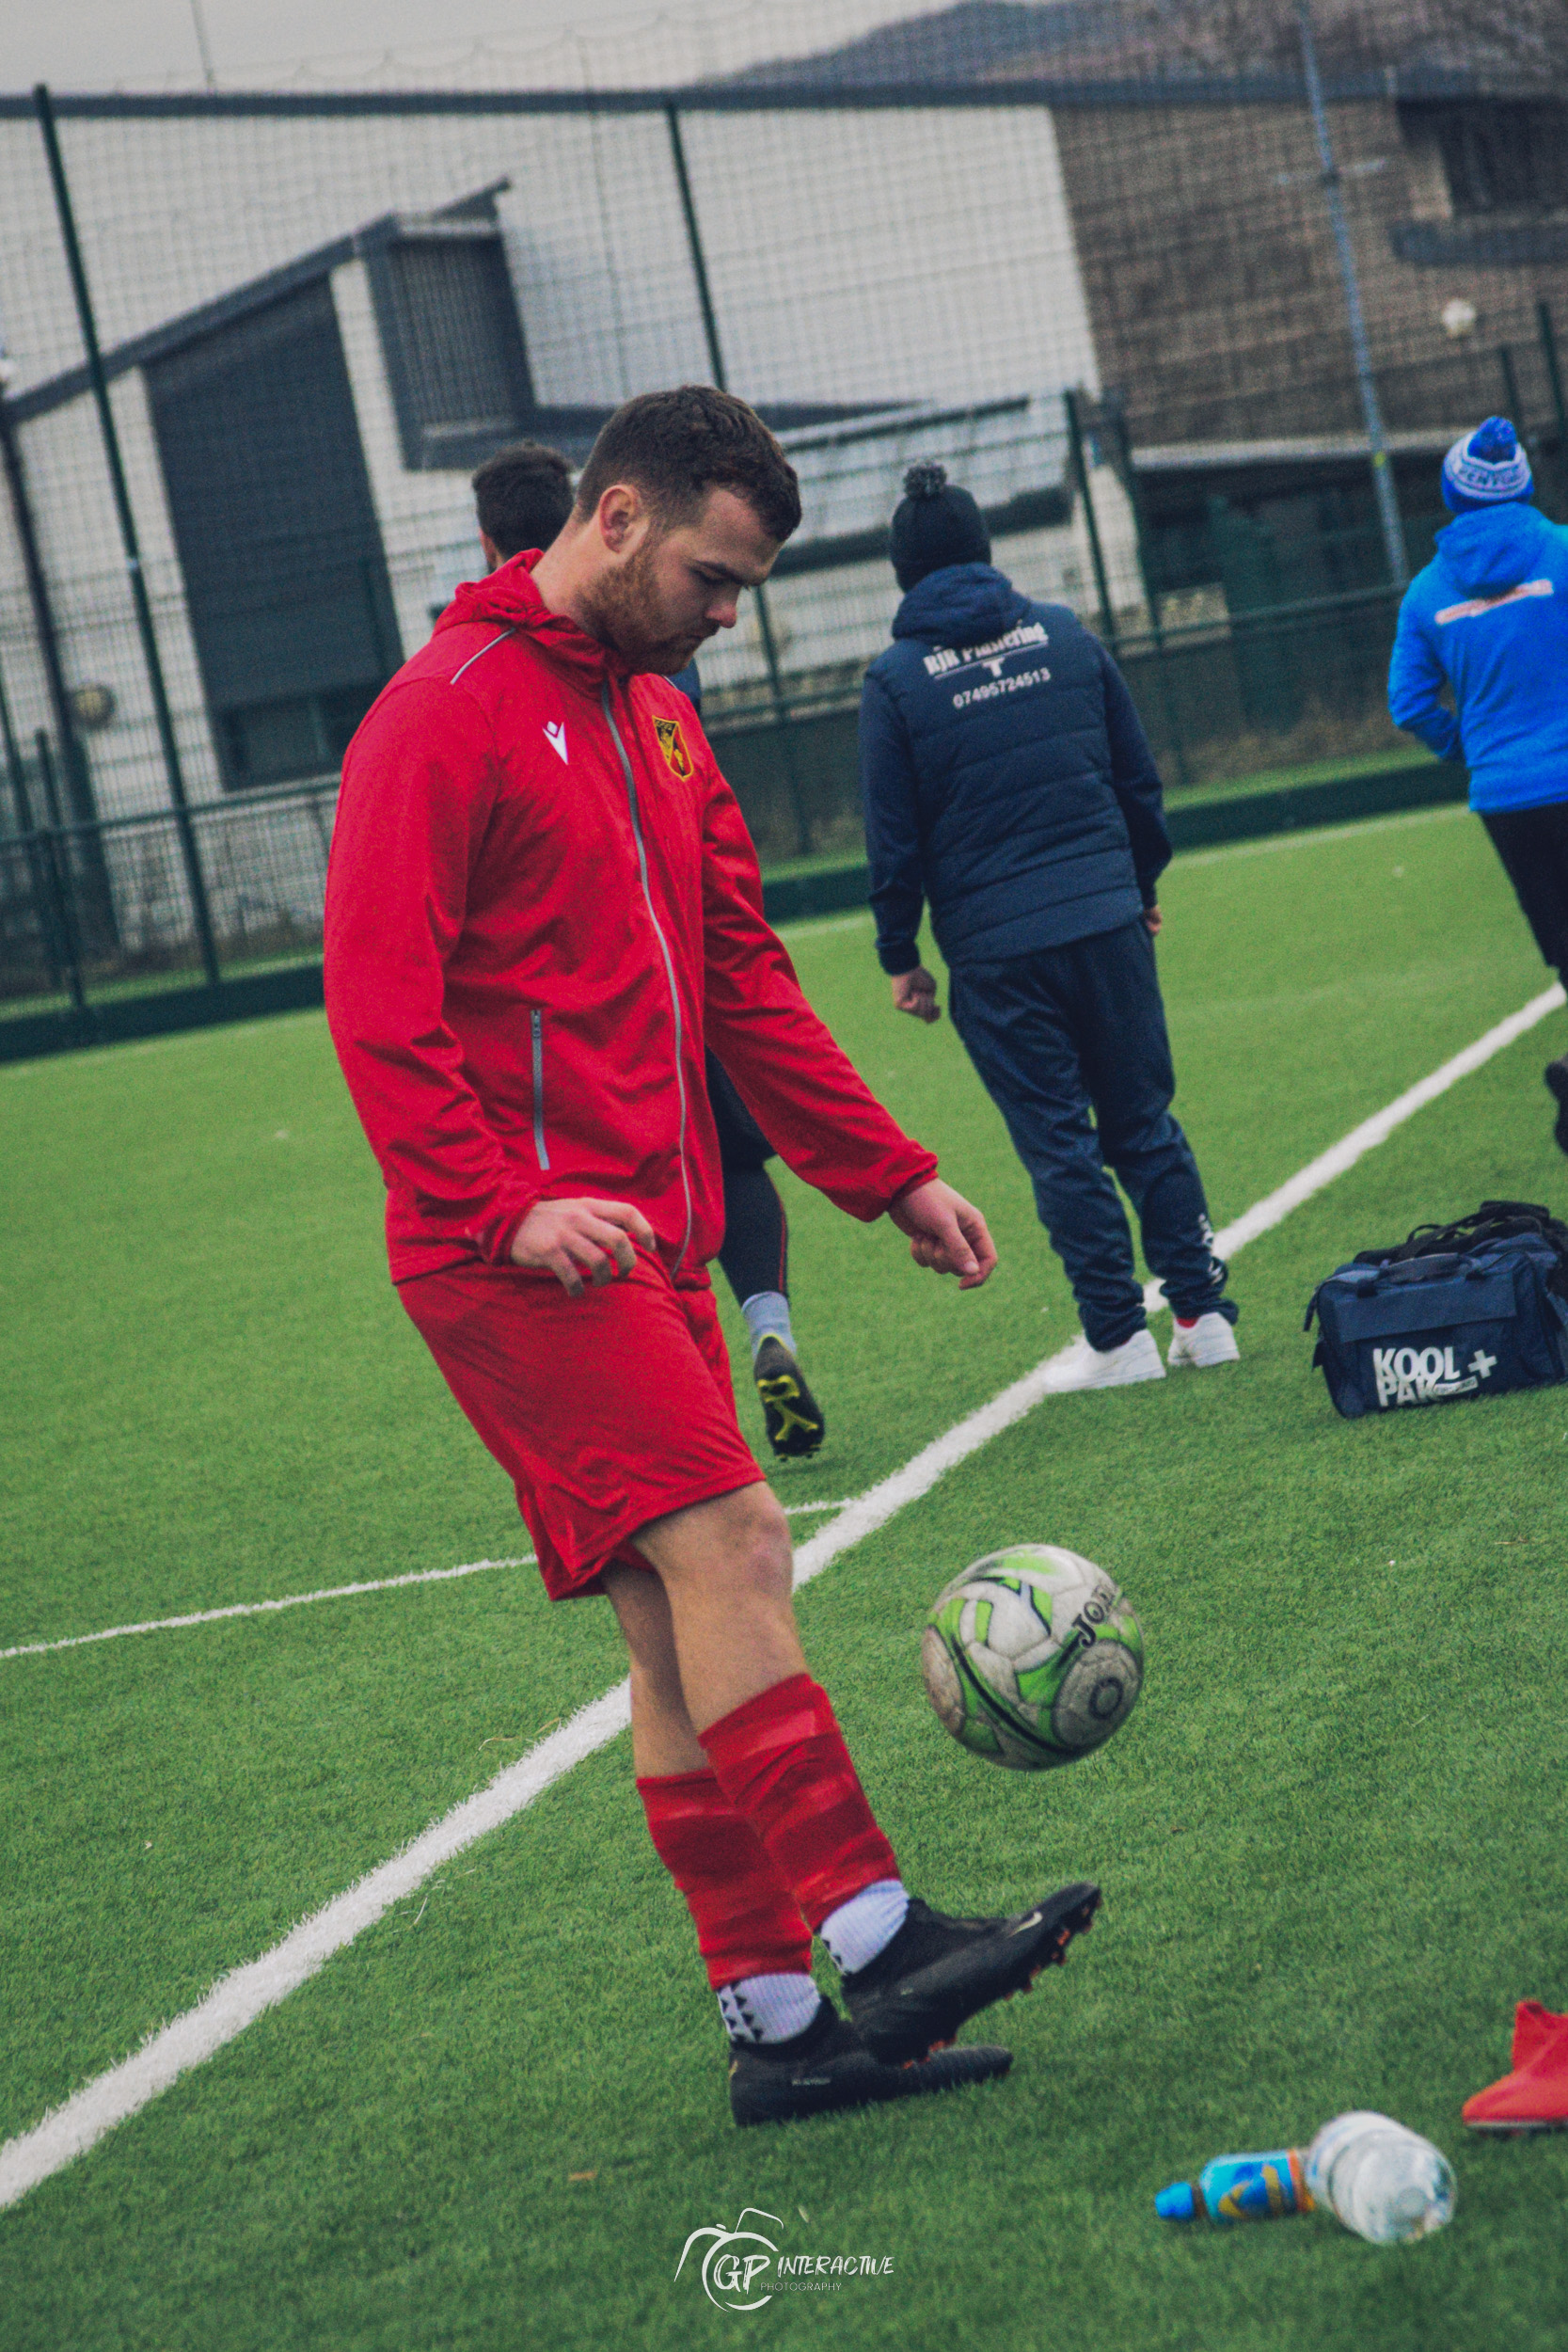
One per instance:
(1489, 617)
(1006, 777)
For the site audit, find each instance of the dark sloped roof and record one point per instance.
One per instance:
(974, 41)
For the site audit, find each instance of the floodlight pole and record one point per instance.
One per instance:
(1382, 477)
(195, 879)
(716, 366)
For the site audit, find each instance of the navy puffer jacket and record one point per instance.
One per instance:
(1006, 776)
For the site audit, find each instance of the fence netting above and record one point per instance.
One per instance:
(1087, 257)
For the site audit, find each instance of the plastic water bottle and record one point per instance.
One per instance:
(1380, 2180)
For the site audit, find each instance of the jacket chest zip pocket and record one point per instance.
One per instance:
(537, 1030)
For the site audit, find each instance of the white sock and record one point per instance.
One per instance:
(865, 1924)
(766, 1314)
(769, 2008)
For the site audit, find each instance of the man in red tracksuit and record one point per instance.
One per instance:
(542, 903)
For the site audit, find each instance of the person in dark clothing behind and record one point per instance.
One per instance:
(1007, 784)
(522, 497)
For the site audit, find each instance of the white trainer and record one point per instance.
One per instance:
(1137, 1359)
(1208, 1341)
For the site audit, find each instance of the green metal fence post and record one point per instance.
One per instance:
(1383, 475)
(1554, 379)
(1151, 594)
(74, 758)
(37, 880)
(1097, 554)
(13, 762)
(58, 873)
(195, 879)
(716, 363)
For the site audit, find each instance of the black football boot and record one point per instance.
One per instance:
(937, 1971)
(795, 1422)
(1556, 1075)
(828, 2067)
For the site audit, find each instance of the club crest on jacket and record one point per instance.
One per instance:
(672, 743)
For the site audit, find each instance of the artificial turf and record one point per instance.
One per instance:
(1330, 1837)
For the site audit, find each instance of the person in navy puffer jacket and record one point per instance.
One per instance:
(1008, 786)
(1488, 619)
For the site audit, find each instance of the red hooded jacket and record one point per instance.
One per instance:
(542, 902)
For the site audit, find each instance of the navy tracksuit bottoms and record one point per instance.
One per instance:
(1072, 1045)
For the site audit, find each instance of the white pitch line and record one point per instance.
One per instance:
(328, 1592)
(238, 1999)
(265, 1608)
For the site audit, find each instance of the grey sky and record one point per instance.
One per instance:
(148, 44)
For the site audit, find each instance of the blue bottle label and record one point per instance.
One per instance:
(1254, 2188)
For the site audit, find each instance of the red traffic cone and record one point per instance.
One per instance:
(1534, 2097)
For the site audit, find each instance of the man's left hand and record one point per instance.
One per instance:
(1153, 921)
(946, 1233)
(916, 992)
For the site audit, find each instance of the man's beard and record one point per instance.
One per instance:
(624, 614)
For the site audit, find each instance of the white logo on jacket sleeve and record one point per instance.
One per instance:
(555, 736)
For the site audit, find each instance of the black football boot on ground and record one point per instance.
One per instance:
(937, 1971)
(1556, 1075)
(827, 2068)
(795, 1422)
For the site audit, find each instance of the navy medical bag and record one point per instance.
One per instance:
(1466, 1310)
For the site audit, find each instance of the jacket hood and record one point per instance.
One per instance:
(509, 597)
(1492, 549)
(963, 604)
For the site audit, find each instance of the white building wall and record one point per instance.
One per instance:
(915, 255)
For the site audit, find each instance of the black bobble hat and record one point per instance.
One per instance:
(935, 524)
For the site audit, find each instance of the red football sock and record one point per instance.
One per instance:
(781, 1762)
(748, 1923)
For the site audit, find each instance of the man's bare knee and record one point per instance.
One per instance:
(740, 1540)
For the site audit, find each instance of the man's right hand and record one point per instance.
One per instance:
(916, 992)
(573, 1238)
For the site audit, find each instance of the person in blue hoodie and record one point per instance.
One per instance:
(1488, 620)
(1009, 785)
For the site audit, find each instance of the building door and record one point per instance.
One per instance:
(285, 574)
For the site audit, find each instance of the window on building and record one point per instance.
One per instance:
(285, 576)
(452, 342)
(1502, 154)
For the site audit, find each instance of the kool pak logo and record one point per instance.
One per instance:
(742, 2270)
(1416, 1375)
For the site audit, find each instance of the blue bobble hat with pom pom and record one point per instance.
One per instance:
(1486, 623)
(1486, 467)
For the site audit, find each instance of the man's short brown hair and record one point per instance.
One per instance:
(523, 495)
(675, 447)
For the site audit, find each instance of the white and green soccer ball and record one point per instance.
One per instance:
(1032, 1657)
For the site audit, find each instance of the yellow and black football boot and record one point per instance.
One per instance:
(795, 1422)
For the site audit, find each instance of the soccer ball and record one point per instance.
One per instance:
(1032, 1657)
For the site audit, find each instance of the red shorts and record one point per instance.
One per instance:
(606, 1411)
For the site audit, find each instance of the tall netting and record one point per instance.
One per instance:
(1082, 252)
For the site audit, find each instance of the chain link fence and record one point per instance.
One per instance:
(1087, 255)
